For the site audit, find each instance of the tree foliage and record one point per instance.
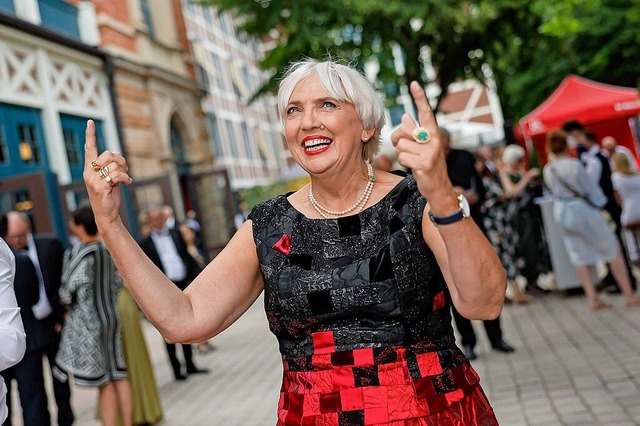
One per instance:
(529, 45)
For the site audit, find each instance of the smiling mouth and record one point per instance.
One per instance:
(316, 144)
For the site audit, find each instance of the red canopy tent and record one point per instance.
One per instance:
(603, 108)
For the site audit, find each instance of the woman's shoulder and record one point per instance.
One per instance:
(269, 208)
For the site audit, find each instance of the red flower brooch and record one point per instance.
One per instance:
(283, 245)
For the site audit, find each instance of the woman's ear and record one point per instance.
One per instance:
(368, 134)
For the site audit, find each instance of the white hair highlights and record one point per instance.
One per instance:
(343, 83)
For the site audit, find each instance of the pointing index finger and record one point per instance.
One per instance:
(90, 147)
(425, 113)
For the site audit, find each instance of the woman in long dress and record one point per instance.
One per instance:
(91, 346)
(585, 234)
(147, 407)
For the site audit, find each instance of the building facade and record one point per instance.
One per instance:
(128, 65)
(246, 135)
(164, 129)
(52, 79)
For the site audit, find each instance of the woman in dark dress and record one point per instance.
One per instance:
(522, 186)
(358, 269)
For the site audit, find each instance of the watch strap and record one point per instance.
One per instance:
(446, 220)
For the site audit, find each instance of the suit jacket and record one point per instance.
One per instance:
(462, 172)
(190, 263)
(27, 290)
(50, 255)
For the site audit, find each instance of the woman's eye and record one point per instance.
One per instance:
(328, 104)
(291, 110)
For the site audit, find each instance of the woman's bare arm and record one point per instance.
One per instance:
(218, 296)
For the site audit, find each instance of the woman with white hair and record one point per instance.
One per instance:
(358, 270)
(521, 185)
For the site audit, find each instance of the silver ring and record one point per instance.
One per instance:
(104, 172)
(110, 181)
(421, 135)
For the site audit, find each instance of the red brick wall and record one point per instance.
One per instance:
(117, 10)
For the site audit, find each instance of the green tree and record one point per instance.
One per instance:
(529, 45)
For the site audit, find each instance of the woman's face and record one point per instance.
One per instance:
(322, 131)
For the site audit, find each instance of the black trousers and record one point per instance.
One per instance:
(609, 279)
(465, 328)
(187, 353)
(28, 373)
(61, 390)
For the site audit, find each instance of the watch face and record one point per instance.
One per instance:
(464, 206)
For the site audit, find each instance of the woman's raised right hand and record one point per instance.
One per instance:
(102, 176)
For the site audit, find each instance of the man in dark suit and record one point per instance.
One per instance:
(28, 373)
(168, 251)
(46, 253)
(466, 180)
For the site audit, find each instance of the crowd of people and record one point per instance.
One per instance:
(76, 313)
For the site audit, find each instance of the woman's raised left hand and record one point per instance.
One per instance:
(426, 160)
(103, 173)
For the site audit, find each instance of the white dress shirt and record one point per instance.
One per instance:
(12, 337)
(172, 264)
(43, 308)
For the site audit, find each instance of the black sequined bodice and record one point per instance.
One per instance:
(369, 278)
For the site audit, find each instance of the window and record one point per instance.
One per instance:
(7, 7)
(148, 18)
(247, 141)
(71, 145)
(28, 138)
(60, 16)
(4, 155)
(231, 138)
(215, 135)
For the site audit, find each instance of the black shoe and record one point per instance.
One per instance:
(180, 377)
(535, 290)
(502, 346)
(198, 371)
(469, 352)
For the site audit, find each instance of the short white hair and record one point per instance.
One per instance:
(345, 84)
(512, 154)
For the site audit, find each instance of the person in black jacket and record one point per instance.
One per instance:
(467, 181)
(46, 253)
(168, 251)
(28, 373)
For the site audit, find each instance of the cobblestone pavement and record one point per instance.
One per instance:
(571, 367)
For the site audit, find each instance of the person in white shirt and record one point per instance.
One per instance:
(12, 334)
(626, 183)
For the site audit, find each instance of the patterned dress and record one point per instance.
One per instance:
(90, 346)
(362, 316)
(499, 229)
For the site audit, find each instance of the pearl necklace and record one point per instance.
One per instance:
(358, 206)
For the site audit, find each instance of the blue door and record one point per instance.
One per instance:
(22, 147)
(73, 128)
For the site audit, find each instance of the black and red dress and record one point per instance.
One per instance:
(362, 316)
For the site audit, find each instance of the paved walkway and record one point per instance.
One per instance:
(572, 367)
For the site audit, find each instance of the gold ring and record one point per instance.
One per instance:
(421, 135)
(95, 166)
(110, 181)
(104, 172)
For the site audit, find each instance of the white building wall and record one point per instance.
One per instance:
(229, 61)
